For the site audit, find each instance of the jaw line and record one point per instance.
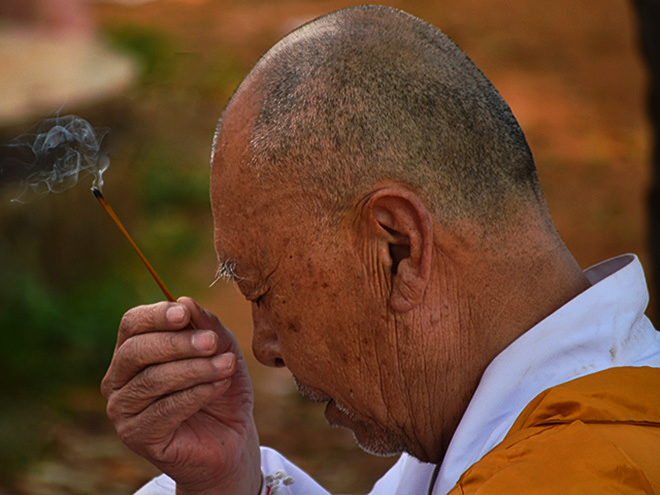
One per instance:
(315, 395)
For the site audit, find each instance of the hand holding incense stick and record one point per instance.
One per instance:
(97, 193)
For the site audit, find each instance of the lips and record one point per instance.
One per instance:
(336, 417)
(331, 412)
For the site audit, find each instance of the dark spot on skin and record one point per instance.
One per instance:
(325, 285)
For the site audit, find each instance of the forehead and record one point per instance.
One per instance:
(251, 217)
(231, 179)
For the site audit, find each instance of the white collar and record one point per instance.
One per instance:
(601, 328)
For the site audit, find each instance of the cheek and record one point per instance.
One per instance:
(327, 316)
(313, 328)
(331, 345)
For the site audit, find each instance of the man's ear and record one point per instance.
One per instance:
(402, 223)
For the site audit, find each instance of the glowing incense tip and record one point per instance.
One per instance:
(97, 193)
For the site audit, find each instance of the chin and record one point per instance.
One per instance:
(369, 437)
(378, 446)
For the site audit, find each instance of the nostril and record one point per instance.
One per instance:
(279, 363)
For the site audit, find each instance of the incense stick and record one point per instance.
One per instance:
(97, 193)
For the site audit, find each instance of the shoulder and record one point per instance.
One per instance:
(563, 459)
(598, 434)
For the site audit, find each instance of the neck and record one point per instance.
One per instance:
(476, 306)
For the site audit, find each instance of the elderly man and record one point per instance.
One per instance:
(376, 201)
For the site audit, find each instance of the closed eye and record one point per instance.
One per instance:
(259, 300)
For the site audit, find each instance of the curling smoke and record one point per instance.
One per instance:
(56, 155)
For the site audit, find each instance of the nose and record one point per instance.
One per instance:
(265, 344)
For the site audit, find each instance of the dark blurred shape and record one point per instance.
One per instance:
(648, 15)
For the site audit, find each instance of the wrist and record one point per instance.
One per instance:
(253, 487)
(247, 479)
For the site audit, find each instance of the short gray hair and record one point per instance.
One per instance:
(372, 93)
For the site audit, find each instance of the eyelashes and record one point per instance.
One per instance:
(226, 271)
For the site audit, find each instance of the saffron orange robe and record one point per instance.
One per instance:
(599, 434)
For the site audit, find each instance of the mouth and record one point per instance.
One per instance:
(335, 414)
(367, 434)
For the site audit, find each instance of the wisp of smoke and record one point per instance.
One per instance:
(56, 154)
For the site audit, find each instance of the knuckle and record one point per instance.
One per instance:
(148, 383)
(126, 433)
(136, 351)
(112, 411)
(154, 348)
(190, 369)
(106, 388)
(141, 318)
(171, 342)
(133, 432)
(128, 321)
(130, 352)
(162, 407)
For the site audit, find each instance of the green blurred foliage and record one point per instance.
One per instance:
(167, 184)
(68, 275)
(151, 49)
(54, 335)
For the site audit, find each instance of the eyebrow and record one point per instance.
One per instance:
(227, 270)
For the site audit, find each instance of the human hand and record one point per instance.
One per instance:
(183, 399)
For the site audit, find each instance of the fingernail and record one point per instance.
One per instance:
(175, 314)
(223, 361)
(204, 340)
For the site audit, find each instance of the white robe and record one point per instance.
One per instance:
(601, 328)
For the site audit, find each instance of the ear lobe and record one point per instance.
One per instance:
(405, 226)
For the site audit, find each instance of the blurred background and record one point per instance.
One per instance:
(157, 74)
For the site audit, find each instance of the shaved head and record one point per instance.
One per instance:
(371, 94)
(378, 204)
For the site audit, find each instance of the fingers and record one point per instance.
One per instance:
(160, 316)
(200, 316)
(150, 432)
(170, 388)
(205, 319)
(142, 351)
(159, 381)
(152, 335)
